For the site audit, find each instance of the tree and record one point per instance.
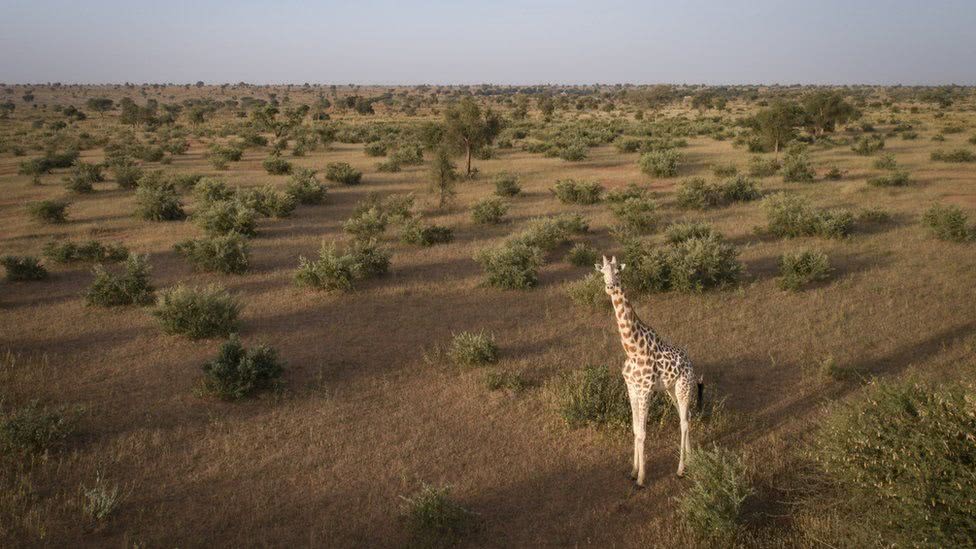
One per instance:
(267, 119)
(776, 125)
(547, 106)
(825, 109)
(467, 129)
(100, 104)
(443, 175)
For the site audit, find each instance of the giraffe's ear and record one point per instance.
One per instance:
(598, 267)
(623, 266)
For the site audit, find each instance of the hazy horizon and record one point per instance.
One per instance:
(385, 43)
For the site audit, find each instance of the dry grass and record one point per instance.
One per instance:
(363, 418)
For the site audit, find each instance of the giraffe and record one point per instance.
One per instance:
(652, 365)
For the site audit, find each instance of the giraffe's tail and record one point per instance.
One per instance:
(700, 401)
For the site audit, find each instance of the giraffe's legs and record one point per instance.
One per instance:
(632, 393)
(640, 429)
(682, 394)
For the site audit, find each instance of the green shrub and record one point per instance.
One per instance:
(268, 201)
(33, 430)
(647, 269)
(489, 210)
(548, 232)
(238, 372)
(369, 258)
(582, 255)
(341, 172)
(389, 166)
(23, 268)
(956, 155)
(92, 250)
(226, 253)
(798, 269)
(571, 191)
(367, 224)
(375, 149)
(197, 312)
(698, 264)
(712, 506)
(637, 214)
(511, 381)
(275, 165)
(49, 211)
(436, 521)
(83, 176)
(130, 287)
(226, 216)
(593, 395)
(507, 184)
(868, 145)
(304, 188)
(900, 462)
(796, 166)
(679, 232)
(211, 189)
(874, 215)
(628, 192)
(662, 163)
(791, 216)
(186, 181)
(588, 292)
(895, 179)
(698, 193)
(833, 174)
(473, 349)
(948, 223)
(332, 271)
(513, 265)
(415, 232)
(739, 188)
(763, 167)
(158, 201)
(573, 152)
(126, 175)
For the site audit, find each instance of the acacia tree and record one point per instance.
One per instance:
(776, 125)
(100, 104)
(467, 129)
(443, 175)
(824, 110)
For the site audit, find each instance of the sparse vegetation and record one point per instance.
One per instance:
(238, 372)
(791, 216)
(23, 268)
(661, 163)
(712, 506)
(49, 211)
(225, 253)
(34, 429)
(434, 520)
(572, 191)
(341, 172)
(489, 210)
(948, 223)
(197, 312)
(91, 250)
(131, 286)
(798, 269)
(473, 349)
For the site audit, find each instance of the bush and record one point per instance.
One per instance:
(211, 189)
(186, 181)
(797, 269)
(573, 152)
(901, 464)
(375, 149)
(225, 253)
(304, 188)
(679, 232)
(369, 259)
(896, 179)
(226, 216)
(83, 176)
(725, 170)
(796, 166)
(512, 381)
(49, 211)
(698, 264)
(582, 255)
(367, 224)
(885, 162)
(712, 505)
(947, 223)
(791, 216)
(23, 268)
(662, 163)
(434, 520)
(473, 349)
(593, 395)
(390, 166)
(739, 189)
(34, 430)
(126, 175)
(588, 292)
(833, 174)
(238, 372)
(762, 167)
(630, 191)
(507, 184)
(332, 271)
(197, 312)
(699, 194)
(130, 287)
(868, 145)
(414, 232)
(513, 265)
(637, 214)
(158, 201)
(341, 172)
(548, 232)
(571, 191)
(268, 201)
(275, 165)
(956, 155)
(489, 210)
(92, 250)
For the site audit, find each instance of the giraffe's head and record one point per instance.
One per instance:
(611, 272)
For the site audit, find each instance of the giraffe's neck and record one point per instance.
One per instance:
(632, 331)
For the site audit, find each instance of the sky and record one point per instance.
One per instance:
(491, 41)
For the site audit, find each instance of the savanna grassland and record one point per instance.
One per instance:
(407, 393)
